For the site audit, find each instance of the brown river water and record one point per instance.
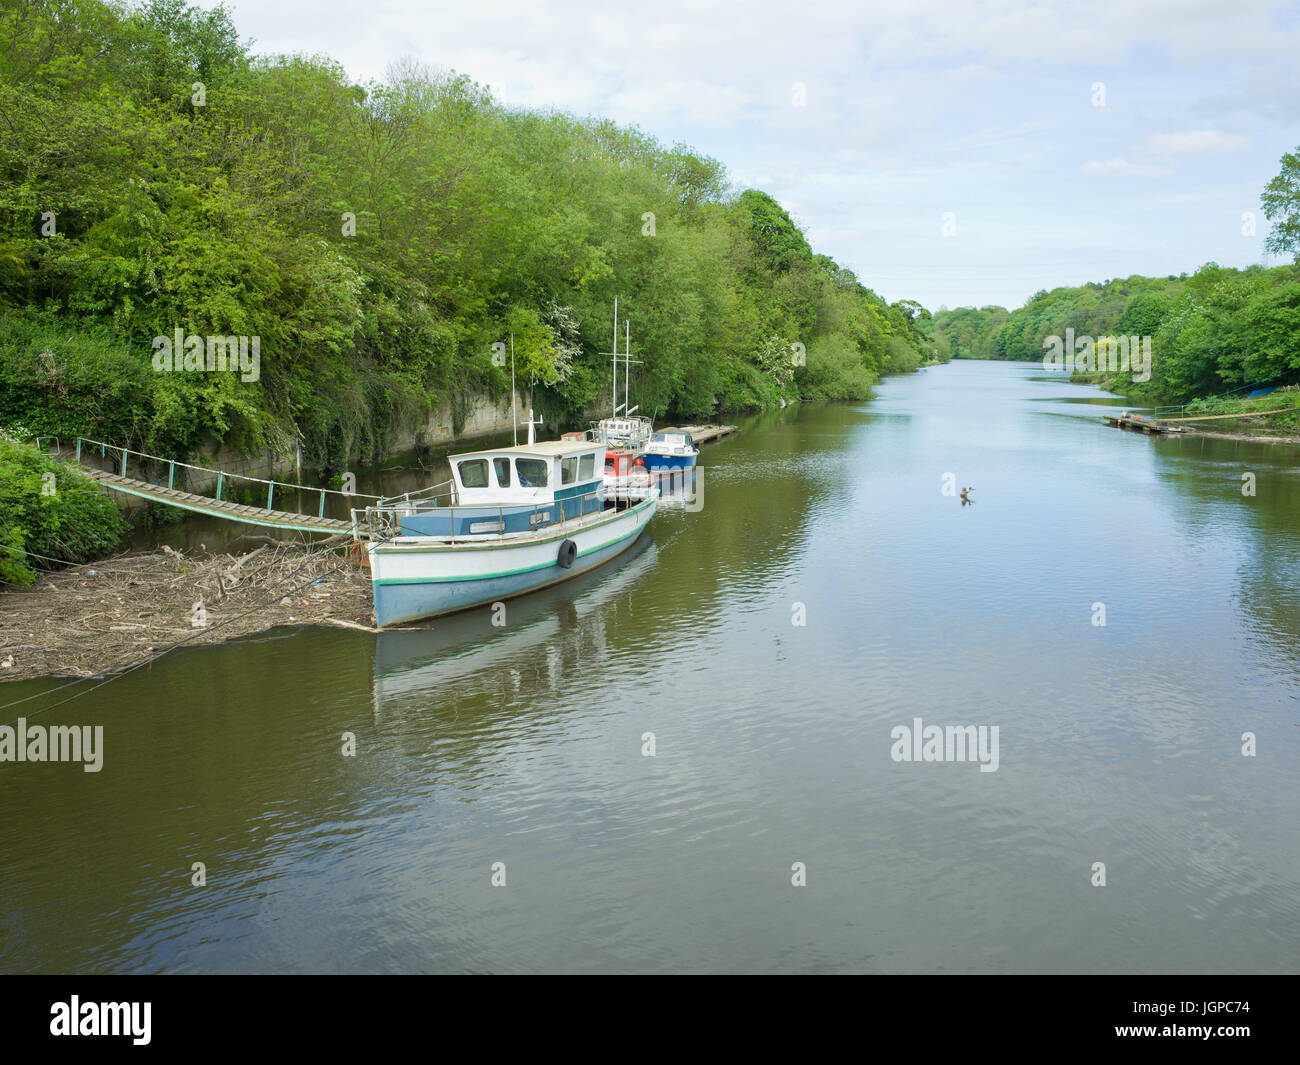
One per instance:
(770, 648)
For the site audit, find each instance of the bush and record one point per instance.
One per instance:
(65, 516)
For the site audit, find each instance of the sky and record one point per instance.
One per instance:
(958, 153)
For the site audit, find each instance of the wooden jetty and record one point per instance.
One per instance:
(1140, 424)
(703, 434)
(1170, 425)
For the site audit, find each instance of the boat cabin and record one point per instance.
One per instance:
(672, 442)
(515, 489)
(626, 475)
(618, 463)
(625, 432)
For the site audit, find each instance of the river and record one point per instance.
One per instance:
(827, 593)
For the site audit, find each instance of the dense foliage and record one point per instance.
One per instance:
(1211, 332)
(49, 509)
(377, 239)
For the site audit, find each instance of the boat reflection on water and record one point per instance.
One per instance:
(680, 489)
(548, 634)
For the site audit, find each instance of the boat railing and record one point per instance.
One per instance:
(631, 432)
(384, 521)
(423, 497)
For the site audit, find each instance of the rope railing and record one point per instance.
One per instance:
(1166, 412)
(221, 475)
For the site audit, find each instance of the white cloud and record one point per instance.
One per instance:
(1203, 140)
(1123, 168)
(696, 102)
(972, 72)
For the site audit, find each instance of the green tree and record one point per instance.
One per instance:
(1281, 200)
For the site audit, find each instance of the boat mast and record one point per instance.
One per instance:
(614, 398)
(627, 371)
(514, 418)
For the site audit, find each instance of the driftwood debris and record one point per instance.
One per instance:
(72, 624)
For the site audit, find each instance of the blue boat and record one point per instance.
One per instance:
(670, 449)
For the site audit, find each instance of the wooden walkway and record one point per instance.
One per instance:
(1141, 425)
(1169, 425)
(219, 508)
(702, 434)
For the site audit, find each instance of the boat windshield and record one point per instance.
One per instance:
(532, 472)
(474, 473)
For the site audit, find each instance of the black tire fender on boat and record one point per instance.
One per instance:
(568, 552)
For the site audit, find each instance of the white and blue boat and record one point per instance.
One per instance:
(511, 520)
(670, 450)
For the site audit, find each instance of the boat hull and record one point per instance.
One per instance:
(657, 463)
(419, 577)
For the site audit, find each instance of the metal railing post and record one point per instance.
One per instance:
(78, 449)
(321, 514)
(270, 495)
(171, 474)
(220, 478)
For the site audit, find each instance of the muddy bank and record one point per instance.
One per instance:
(101, 618)
(1263, 438)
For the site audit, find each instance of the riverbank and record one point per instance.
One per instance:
(1271, 419)
(122, 613)
(1257, 438)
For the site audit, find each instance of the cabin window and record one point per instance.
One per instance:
(569, 470)
(474, 473)
(502, 467)
(532, 473)
(587, 468)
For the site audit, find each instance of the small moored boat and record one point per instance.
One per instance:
(511, 520)
(670, 449)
